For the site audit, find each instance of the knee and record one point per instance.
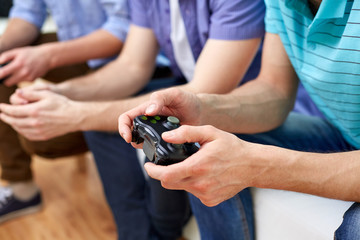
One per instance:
(350, 227)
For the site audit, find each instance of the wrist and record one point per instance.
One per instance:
(62, 88)
(51, 53)
(210, 111)
(79, 114)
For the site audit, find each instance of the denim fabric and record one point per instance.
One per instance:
(142, 209)
(303, 133)
(350, 227)
(299, 132)
(232, 219)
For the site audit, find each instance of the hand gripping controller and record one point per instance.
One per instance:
(149, 129)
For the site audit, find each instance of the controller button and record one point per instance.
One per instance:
(144, 118)
(153, 121)
(157, 118)
(177, 146)
(173, 120)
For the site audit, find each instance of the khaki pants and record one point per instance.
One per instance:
(16, 151)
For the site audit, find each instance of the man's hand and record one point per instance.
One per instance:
(46, 115)
(218, 171)
(18, 99)
(170, 102)
(25, 64)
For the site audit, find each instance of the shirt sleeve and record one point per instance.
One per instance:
(272, 16)
(32, 11)
(118, 17)
(237, 20)
(138, 13)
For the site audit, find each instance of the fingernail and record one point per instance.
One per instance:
(150, 108)
(19, 91)
(122, 135)
(168, 134)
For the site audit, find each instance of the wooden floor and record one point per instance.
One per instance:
(74, 205)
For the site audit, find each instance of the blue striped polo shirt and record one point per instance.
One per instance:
(325, 53)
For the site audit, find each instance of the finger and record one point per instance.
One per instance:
(24, 127)
(7, 72)
(19, 75)
(171, 176)
(23, 123)
(41, 86)
(16, 99)
(124, 126)
(138, 146)
(161, 99)
(162, 174)
(185, 133)
(32, 95)
(7, 56)
(18, 111)
(125, 121)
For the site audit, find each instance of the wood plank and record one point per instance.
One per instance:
(74, 205)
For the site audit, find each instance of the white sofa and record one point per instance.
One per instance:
(284, 215)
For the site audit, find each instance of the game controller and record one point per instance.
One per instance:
(3, 79)
(148, 129)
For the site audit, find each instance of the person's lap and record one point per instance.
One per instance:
(142, 209)
(302, 133)
(15, 153)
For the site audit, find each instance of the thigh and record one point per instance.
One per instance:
(230, 220)
(169, 210)
(66, 145)
(350, 227)
(303, 133)
(123, 182)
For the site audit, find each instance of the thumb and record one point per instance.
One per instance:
(31, 96)
(185, 133)
(161, 99)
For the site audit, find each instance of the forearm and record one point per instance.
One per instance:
(332, 175)
(18, 33)
(116, 80)
(99, 44)
(254, 107)
(103, 116)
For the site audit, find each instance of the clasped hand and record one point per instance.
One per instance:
(40, 114)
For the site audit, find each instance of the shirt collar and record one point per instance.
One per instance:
(327, 9)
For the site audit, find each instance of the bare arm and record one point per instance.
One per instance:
(99, 44)
(29, 63)
(215, 174)
(258, 105)
(222, 65)
(332, 175)
(18, 33)
(218, 70)
(121, 78)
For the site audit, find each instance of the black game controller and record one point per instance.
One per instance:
(3, 79)
(149, 129)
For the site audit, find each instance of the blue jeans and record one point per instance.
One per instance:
(299, 132)
(232, 219)
(142, 209)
